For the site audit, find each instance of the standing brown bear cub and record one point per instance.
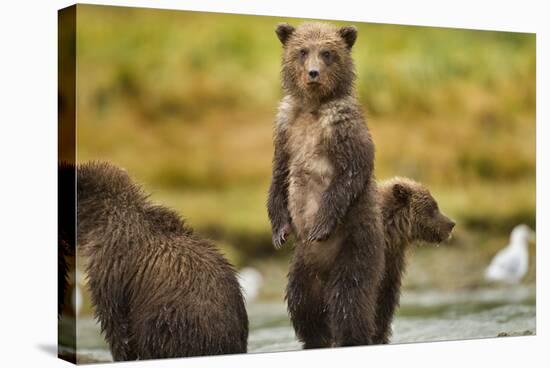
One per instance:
(323, 190)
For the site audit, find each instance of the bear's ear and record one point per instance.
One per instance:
(284, 31)
(349, 34)
(402, 193)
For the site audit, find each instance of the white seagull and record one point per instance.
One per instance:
(511, 263)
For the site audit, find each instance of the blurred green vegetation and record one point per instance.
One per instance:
(185, 101)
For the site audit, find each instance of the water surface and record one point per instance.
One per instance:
(423, 317)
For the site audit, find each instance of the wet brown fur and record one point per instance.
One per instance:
(158, 289)
(323, 190)
(410, 214)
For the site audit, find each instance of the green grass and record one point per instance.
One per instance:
(185, 101)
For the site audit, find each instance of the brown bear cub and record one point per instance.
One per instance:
(410, 214)
(159, 290)
(323, 190)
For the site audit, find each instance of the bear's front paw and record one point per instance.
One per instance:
(320, 232)
(280, 236)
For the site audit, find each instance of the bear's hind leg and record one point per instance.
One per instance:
(119, 336)
(122, 348)
(388, 301)
(353, 289)
(111, 310)
(307, 311)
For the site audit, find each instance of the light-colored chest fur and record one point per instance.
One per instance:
(310, 174)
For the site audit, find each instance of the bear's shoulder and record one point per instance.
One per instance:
(342, 111)
(285, 113)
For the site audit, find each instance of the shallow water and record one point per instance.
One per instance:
(423, 316)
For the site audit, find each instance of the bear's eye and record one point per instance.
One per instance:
(434, 210)
(303, 52)
(325, 54)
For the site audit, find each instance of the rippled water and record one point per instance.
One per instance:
(423, 317)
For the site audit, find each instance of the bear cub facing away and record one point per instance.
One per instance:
(159, 290)
(323, 190)
(410, 214)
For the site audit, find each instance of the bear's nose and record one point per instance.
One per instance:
(452, 224)
(313, 74)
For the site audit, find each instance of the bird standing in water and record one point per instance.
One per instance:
(511, 263)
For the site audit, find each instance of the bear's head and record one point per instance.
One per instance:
(317, 62)
(411, 206)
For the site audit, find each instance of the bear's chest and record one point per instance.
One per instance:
(307, 139)
(310, 170)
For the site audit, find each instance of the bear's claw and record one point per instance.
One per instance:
(320, 232)
(279, 237)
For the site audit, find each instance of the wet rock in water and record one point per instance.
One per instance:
(524, 333)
